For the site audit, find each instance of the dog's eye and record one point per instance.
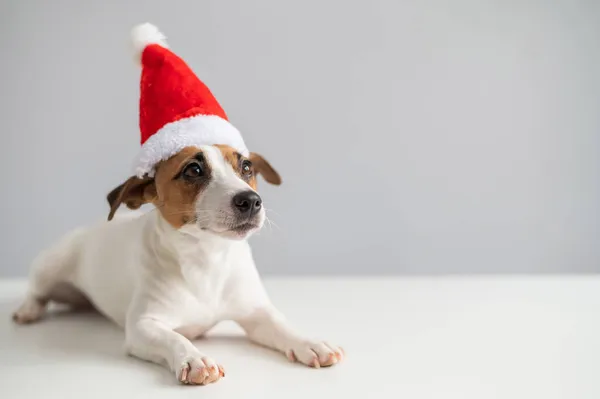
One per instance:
(193, 170)
(246, 167)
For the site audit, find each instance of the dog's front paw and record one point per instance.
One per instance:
(315, 353)
(199, 370)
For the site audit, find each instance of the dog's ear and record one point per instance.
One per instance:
(264, 168)
(134, 193)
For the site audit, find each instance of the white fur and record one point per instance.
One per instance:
(165, 286)
(143, 35)
(195, 131)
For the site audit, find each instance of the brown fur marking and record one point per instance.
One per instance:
(235, 159)
(174, 197)
(177, 197)
(259, 165)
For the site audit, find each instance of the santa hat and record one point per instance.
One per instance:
(177, 110)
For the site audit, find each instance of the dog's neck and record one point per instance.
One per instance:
(188, 243)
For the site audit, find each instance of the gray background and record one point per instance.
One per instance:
(413, 137)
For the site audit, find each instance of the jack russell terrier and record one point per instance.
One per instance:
(168, 275)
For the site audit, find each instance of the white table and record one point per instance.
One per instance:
(452, 337)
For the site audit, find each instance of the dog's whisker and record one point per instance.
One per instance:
(271, 222)
(270, 210)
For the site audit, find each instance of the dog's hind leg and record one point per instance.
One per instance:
(49, 280)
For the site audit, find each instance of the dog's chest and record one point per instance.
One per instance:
(204, 290)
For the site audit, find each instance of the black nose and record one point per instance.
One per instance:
(247, 202)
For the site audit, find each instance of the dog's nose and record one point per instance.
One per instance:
(247, 202)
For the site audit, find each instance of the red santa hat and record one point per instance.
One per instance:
(177, 110)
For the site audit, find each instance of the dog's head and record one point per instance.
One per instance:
(211, 188)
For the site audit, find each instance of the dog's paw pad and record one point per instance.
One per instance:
(200, 371)
(316, 354)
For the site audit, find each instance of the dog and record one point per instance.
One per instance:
(170, 274)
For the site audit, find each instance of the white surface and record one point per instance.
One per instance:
(492, 337)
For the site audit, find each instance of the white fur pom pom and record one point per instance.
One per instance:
(144, 34)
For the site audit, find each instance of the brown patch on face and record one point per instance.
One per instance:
(241, 165)
(173, 190)
(257, 163)
(177, 190)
